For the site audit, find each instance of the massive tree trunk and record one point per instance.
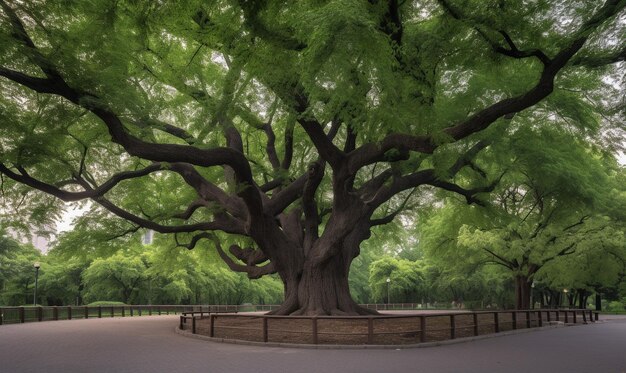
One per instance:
(316, 279)
(319, 289)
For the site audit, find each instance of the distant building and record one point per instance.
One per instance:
(147, 237)
(41, 243)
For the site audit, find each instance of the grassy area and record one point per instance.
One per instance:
(613, 312)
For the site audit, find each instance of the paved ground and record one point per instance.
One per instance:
(149, 344)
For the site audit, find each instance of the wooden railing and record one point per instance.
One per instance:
(408, 329)
(12, 315)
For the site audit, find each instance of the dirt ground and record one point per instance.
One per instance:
(385, 330)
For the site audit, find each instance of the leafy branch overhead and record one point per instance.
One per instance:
(299, 126)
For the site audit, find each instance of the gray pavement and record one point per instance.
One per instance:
(149, 344)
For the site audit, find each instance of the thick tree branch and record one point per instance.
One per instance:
(24, 178)
(570, 249)
(469, 194)
(252, 271)
(286, 196)
(281, 38)
(466, 159)
(134, 146)
(167, 128)
(327, 150)
(288, 157)
(371, 153)
(195, 205)
(599, 61)
(503, 261)
(248, 255)
(513, 51)
(389, 218)
(222, 224)
(309, 206)
(209, 191)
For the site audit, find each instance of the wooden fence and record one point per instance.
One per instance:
(385, 329)
(12, 315)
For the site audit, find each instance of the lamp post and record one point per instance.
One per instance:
(388, 281)
(36, 265)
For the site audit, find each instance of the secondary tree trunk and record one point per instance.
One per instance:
(522, 292)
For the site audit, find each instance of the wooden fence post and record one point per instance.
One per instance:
(211, 325)
(370, 330)
(21, 313)
(265, 329)
(496, 322)
(314, 329)
(528, 319)
(39, 313)
(193, 324)
(422, 329)
(69, 312)
(86, 312)
(574, 316)
(539, 319)
(514, 322)
(55, 313)
(566, 317)
(475, 317)
(99, 312)
(452, 327)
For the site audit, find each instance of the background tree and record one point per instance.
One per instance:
(546, 206)
(17, 274)
(155, 112)
(60, 282)
(406, 283)
(597, 267)
(117, 278)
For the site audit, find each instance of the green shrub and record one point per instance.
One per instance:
(106, 303)
(615, 306)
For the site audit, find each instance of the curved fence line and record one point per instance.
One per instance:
(374, 330)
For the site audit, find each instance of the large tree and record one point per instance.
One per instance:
(295, 128)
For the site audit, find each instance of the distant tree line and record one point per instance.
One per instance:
(133, 273)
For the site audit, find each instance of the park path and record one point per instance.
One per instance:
(149, 344)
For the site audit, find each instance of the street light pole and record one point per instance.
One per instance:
(36, 265)
(388, 281)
